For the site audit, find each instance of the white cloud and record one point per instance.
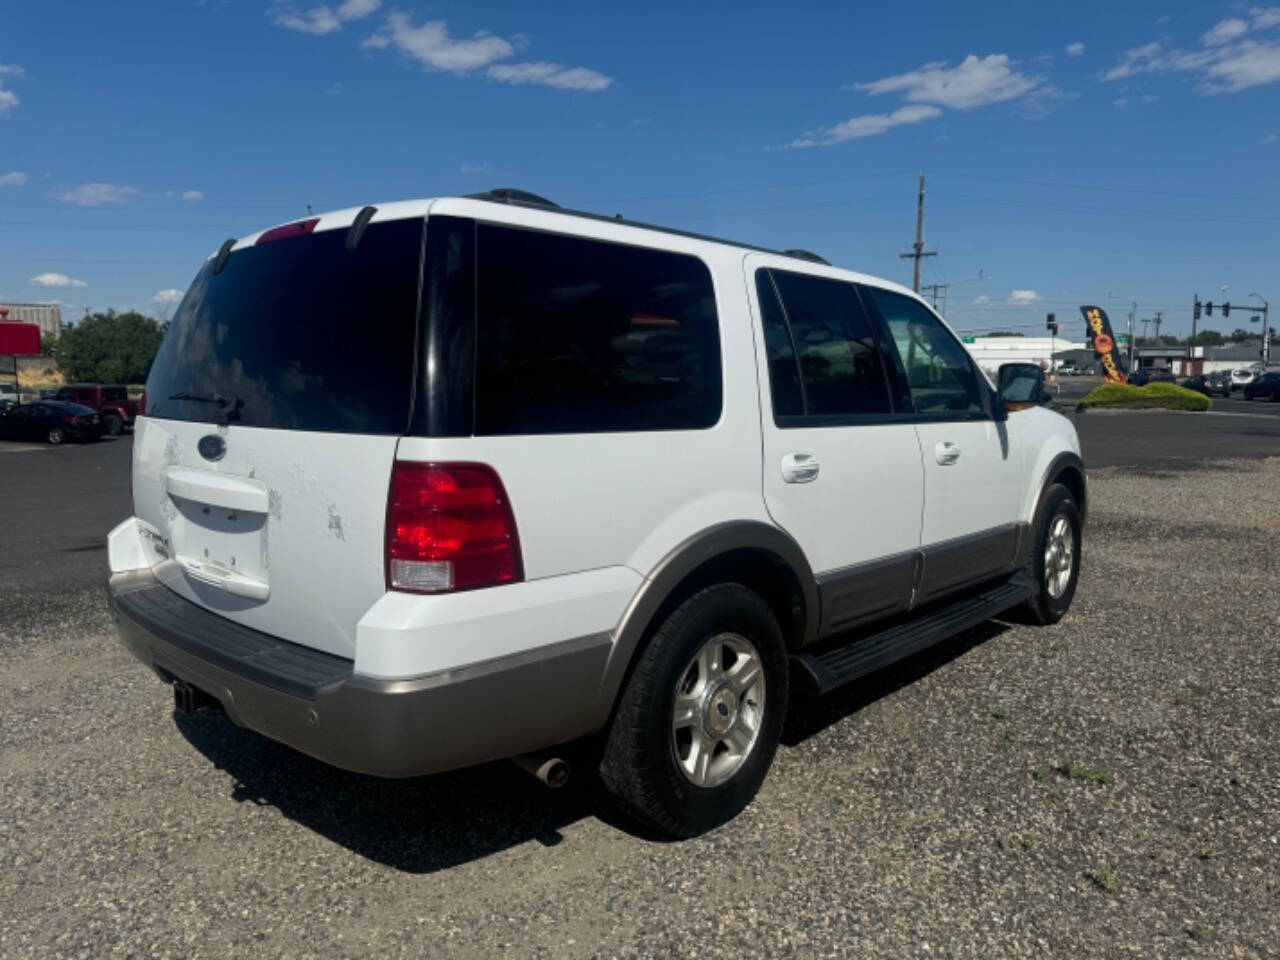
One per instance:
(321, 19)
(1227, 62)
(56, 280)
(1075, 49)
(1270, 138)
(981, 301)
(1264, 18)
(1120, 104)
(169, 296)
(9, 99)
(431, 45)
(474, 168)
(192, 195)
(11, 70)
(15, 179)
(550, 74)
(867, 125)
(97, 194)
(1023, 298)
(1249, 64)
(1224, 31)
(977, 81)
(335, 89)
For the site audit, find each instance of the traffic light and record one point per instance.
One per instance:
(1048, 321)
(1195, 313)
(1208, 309)
(1226, 309)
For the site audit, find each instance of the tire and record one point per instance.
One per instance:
(647, 749)
(55, 436)
(1052, 600)
(112, 424)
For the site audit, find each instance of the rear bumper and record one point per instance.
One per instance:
(314, 702)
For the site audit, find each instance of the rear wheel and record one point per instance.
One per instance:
(1055, 561)
(699, 720)
(55, 435)
(112, 424)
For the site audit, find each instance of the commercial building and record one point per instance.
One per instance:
(990, 352)
(48, 316)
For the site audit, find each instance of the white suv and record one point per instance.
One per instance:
(438, 482)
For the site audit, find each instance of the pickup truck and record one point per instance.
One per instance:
(112, 402)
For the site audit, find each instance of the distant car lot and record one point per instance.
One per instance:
(1013, 792)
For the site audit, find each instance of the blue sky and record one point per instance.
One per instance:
(1123, 149)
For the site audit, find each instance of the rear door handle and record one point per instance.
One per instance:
(946, 453)
(800, 468)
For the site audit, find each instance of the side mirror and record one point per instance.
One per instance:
(1020, 385)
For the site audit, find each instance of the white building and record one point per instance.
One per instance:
(47, 315)
(990, 352)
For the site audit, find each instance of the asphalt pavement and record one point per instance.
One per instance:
(1106, 787)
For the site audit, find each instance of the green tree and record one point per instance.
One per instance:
(1207, 338)
(1003, 333)
(1241, 336)
(109, 348)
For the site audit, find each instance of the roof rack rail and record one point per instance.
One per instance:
(512, 195)
(805, 255)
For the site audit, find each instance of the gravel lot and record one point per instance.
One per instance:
(1108, 787)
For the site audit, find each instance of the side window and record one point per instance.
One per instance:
(114, 394)
(938, 369)
(840, 368)
(581, 336)
(65, 393)
(784, 372)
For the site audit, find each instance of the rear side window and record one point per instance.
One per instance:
(832, 351)
(298, 334)
(581, 336)
(939, 373)
(114, 394)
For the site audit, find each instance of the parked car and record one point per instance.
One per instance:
(1210, 384)
(1161, 375)
(591, 513)
(1139, 378)
(1242, 377)
(51, 421)
(8, 395)
(112, 402)
(1266, 387)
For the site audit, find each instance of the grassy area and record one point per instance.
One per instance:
(1154, 396)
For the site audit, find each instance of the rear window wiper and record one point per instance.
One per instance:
(235, 402)
(219, 399)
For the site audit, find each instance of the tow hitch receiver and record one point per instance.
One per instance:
(189, 699)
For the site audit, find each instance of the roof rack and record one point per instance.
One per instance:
(511, 195)
(522, 198)
(805, 255)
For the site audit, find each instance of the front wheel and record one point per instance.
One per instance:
(1055, 562)
(112, 424)
(55, 435)
(699, 720)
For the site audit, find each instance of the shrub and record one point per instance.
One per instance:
(1154, 396)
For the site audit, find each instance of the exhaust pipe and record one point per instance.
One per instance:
(552, 771)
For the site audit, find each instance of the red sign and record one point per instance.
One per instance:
(20, 338)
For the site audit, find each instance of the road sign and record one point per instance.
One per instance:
(966, 339)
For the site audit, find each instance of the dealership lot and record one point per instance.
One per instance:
(1109, 786)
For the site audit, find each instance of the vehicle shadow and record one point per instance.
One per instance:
(425, 824)
(417, 825)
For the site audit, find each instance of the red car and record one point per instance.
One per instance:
(112, 402)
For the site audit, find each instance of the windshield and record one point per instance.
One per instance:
(298, 334)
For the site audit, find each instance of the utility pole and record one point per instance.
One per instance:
(917, 248)
(1157, 321)
(933, 289)
(1133, 310)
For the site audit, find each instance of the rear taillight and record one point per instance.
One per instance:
(449, 527)
(299, 229)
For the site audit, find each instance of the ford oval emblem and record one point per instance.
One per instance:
(212, 447)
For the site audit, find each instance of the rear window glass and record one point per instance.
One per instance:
(581, 336)
(298, 334)
(114, 394)
(839, 360)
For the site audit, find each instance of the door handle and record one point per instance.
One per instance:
(800, 468)
(946, 453)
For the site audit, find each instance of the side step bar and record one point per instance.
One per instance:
(866, 654)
